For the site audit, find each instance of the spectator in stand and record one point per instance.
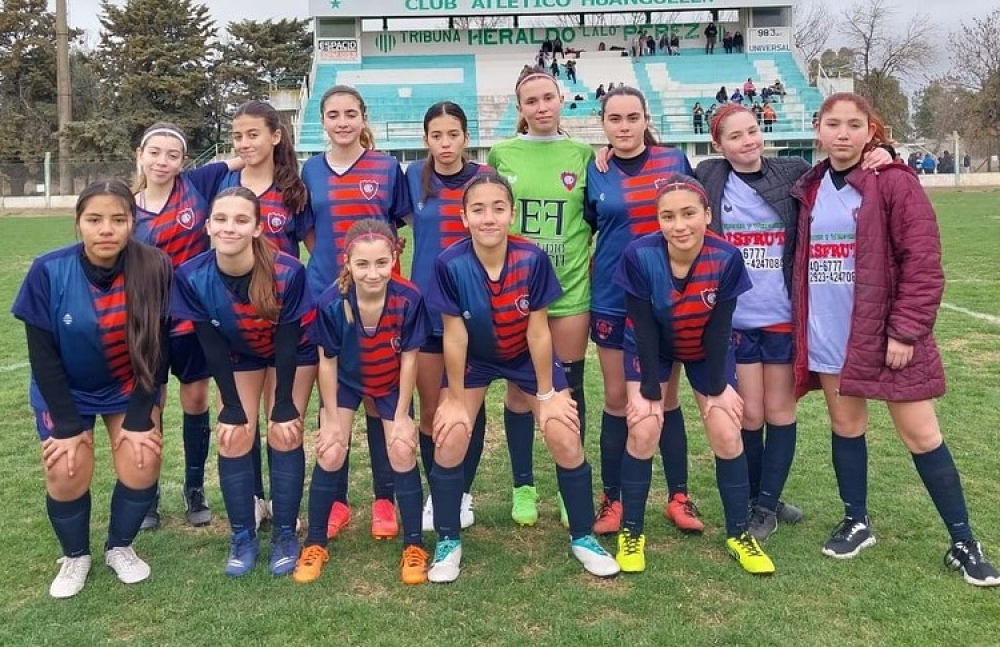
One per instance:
(758, 112)
(547, 46)
(611, 86)
(555, 68)
(540, 61)
(664, 45)
(778, 89)
(966, 163)
(651, 45)
(947, 163)
(913, 161)
(928, 165)
(710, 34)
(571, 70)
(749, 90)
(736, 97)
(727, 42)
(722, 96)
(710, 113)
(770, 117)
(738, 42)
(557, 48)
(599, 92)
(635, 45)
(675, 44)
(698, 118)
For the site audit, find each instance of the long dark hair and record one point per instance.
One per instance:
(648, 137)
(147, 274)
(262, 294)
(286, 163)
(365, 228)
(367, 137)
(159, 128)
(439, 109)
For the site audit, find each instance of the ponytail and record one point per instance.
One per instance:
(367, 138)
(147, 274)
(262, 293)
(371, 229)
(286, 173)
(344, 282)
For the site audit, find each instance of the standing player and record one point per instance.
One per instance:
(493, 292)
(247, 302)
(873, 241)
(370, 325)
(681, 287)
(350, 182)
(95, 314)
(436, 185)
(547, 171)
(620, 207)
(171, 211)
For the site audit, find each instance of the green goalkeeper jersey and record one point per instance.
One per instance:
(549, 179)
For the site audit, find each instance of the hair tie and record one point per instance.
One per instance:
(163, 131)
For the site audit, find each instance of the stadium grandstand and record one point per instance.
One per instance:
(404, 55)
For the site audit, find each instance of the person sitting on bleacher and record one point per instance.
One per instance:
(749, 90)
(599, 92)
(722, 96)
(736, 97)
(778, 89)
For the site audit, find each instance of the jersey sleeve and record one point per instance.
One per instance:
(443, 293)
(326, 329)
(544, 287)
(402, 205)
(416, 324)
(590, 198)
(295, 302)
(735, 279)
(32, 303)
(629, 275)
(207, 179)
(185, 304)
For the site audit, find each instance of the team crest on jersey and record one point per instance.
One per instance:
(368, 188)
(186, 219)
(728, 208)
(659, 183)
(708, 297)
(67, 319)
(523, 305)
(568, 180)
(635, 365)
(396, 343)
(276, 222)
(604, 328)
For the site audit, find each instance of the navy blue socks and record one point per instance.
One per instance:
(382, 478)
(636, 476)
(614, 435)
(674, 450)
(575, 487)
(410, 497)
(236, 480)
(446, 490)
(574, 377)
(940, 476)
(520, 429)
(196, 434)
(734, 489)
(475, 452)
(850, 464)
(779, 451)
(322, 494)
(753, 447)
(288, 471)
(128, 507)
(71, 523)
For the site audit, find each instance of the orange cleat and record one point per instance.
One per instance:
(413, 565)
(609, 516)
(310, 564)
(683, 513)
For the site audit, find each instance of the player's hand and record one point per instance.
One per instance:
(53, 449)
(602, 159)
(450, 416)
(329, 436)
(141, 442)
(227, 434)
(728, 403)
(639, 408)
(876, 158)
(404, 430)
(290, 432)
(898, 354)
(560, 408)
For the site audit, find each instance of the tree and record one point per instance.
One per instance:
(834, 63)
(941, 108)
(260, 56)
(813, 23)
(975, 58)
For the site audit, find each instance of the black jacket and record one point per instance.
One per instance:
(779, 176)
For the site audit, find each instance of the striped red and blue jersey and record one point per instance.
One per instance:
(681, 309)
(374, 187)
(88, 325)
(200, 294)
(437, 221)
(620, 208)
(281, 226)
(369, 362)
(495, 312)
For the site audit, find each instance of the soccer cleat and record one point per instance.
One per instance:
(762, 523)
(152, 519)
(340, 516)
(242, 554)
(71, 578)
(524, 510)
(788, 513)
(631, 555)
(609, 516)
(968, 557)
(683, 513)
(309, 566)
(563, 515)
(427, 517)
(261, 512)
(467, 514)
(596, 561)
(126, 564)
(413, 565)
(384, 524)
(284, 554)
(195, 508)
(849, 538)
(748, 553)
(447, 561)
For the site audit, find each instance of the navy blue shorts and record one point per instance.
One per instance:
(607, 331)
(519, 371)
(762, 346)
(433, 345)
(187, 359)
(696, 371)
(44, 424)
(307, 355)
(348, 398)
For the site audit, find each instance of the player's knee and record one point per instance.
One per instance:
(644, 439)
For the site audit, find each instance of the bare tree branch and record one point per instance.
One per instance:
(813, 23)
(975, 51)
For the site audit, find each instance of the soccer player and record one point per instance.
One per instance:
(681, 287)
(247, 302)
(171, 211)
(370, 325)
(493, 292)
(620, 207)
(95, 315)
(436, 186)
(350, 182)
(547, 171)
(867, 286)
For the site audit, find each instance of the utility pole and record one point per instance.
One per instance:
(63, 97)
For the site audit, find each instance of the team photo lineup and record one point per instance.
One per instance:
(271, 294)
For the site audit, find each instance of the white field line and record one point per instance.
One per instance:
(972, 313)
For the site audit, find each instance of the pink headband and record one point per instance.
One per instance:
(372, 236)
(685, 186)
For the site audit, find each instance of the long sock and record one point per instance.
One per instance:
(382, 477)
(753, 447)
(940, 476)
(197, 436)
(426, 453)
(520, 429)
(446, 490)
(674, 451)
(128, 507)
(779, 451)
(734, 489)
(850, 464)
(288, 473)
(322, 494)
(340, 485)
(475, 452)
(236, 481)
(575, 486)
(409, 496)
(258, 465)
(614, 436)
(71, 522)
(636, 476)
(574, 376)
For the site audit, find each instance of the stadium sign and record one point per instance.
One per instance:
(338, 50)
(451, 8)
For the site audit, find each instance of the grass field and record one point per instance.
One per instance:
(519, 586)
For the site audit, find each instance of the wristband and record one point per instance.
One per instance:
(542, 397)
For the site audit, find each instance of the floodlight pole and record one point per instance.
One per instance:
(63, 97)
